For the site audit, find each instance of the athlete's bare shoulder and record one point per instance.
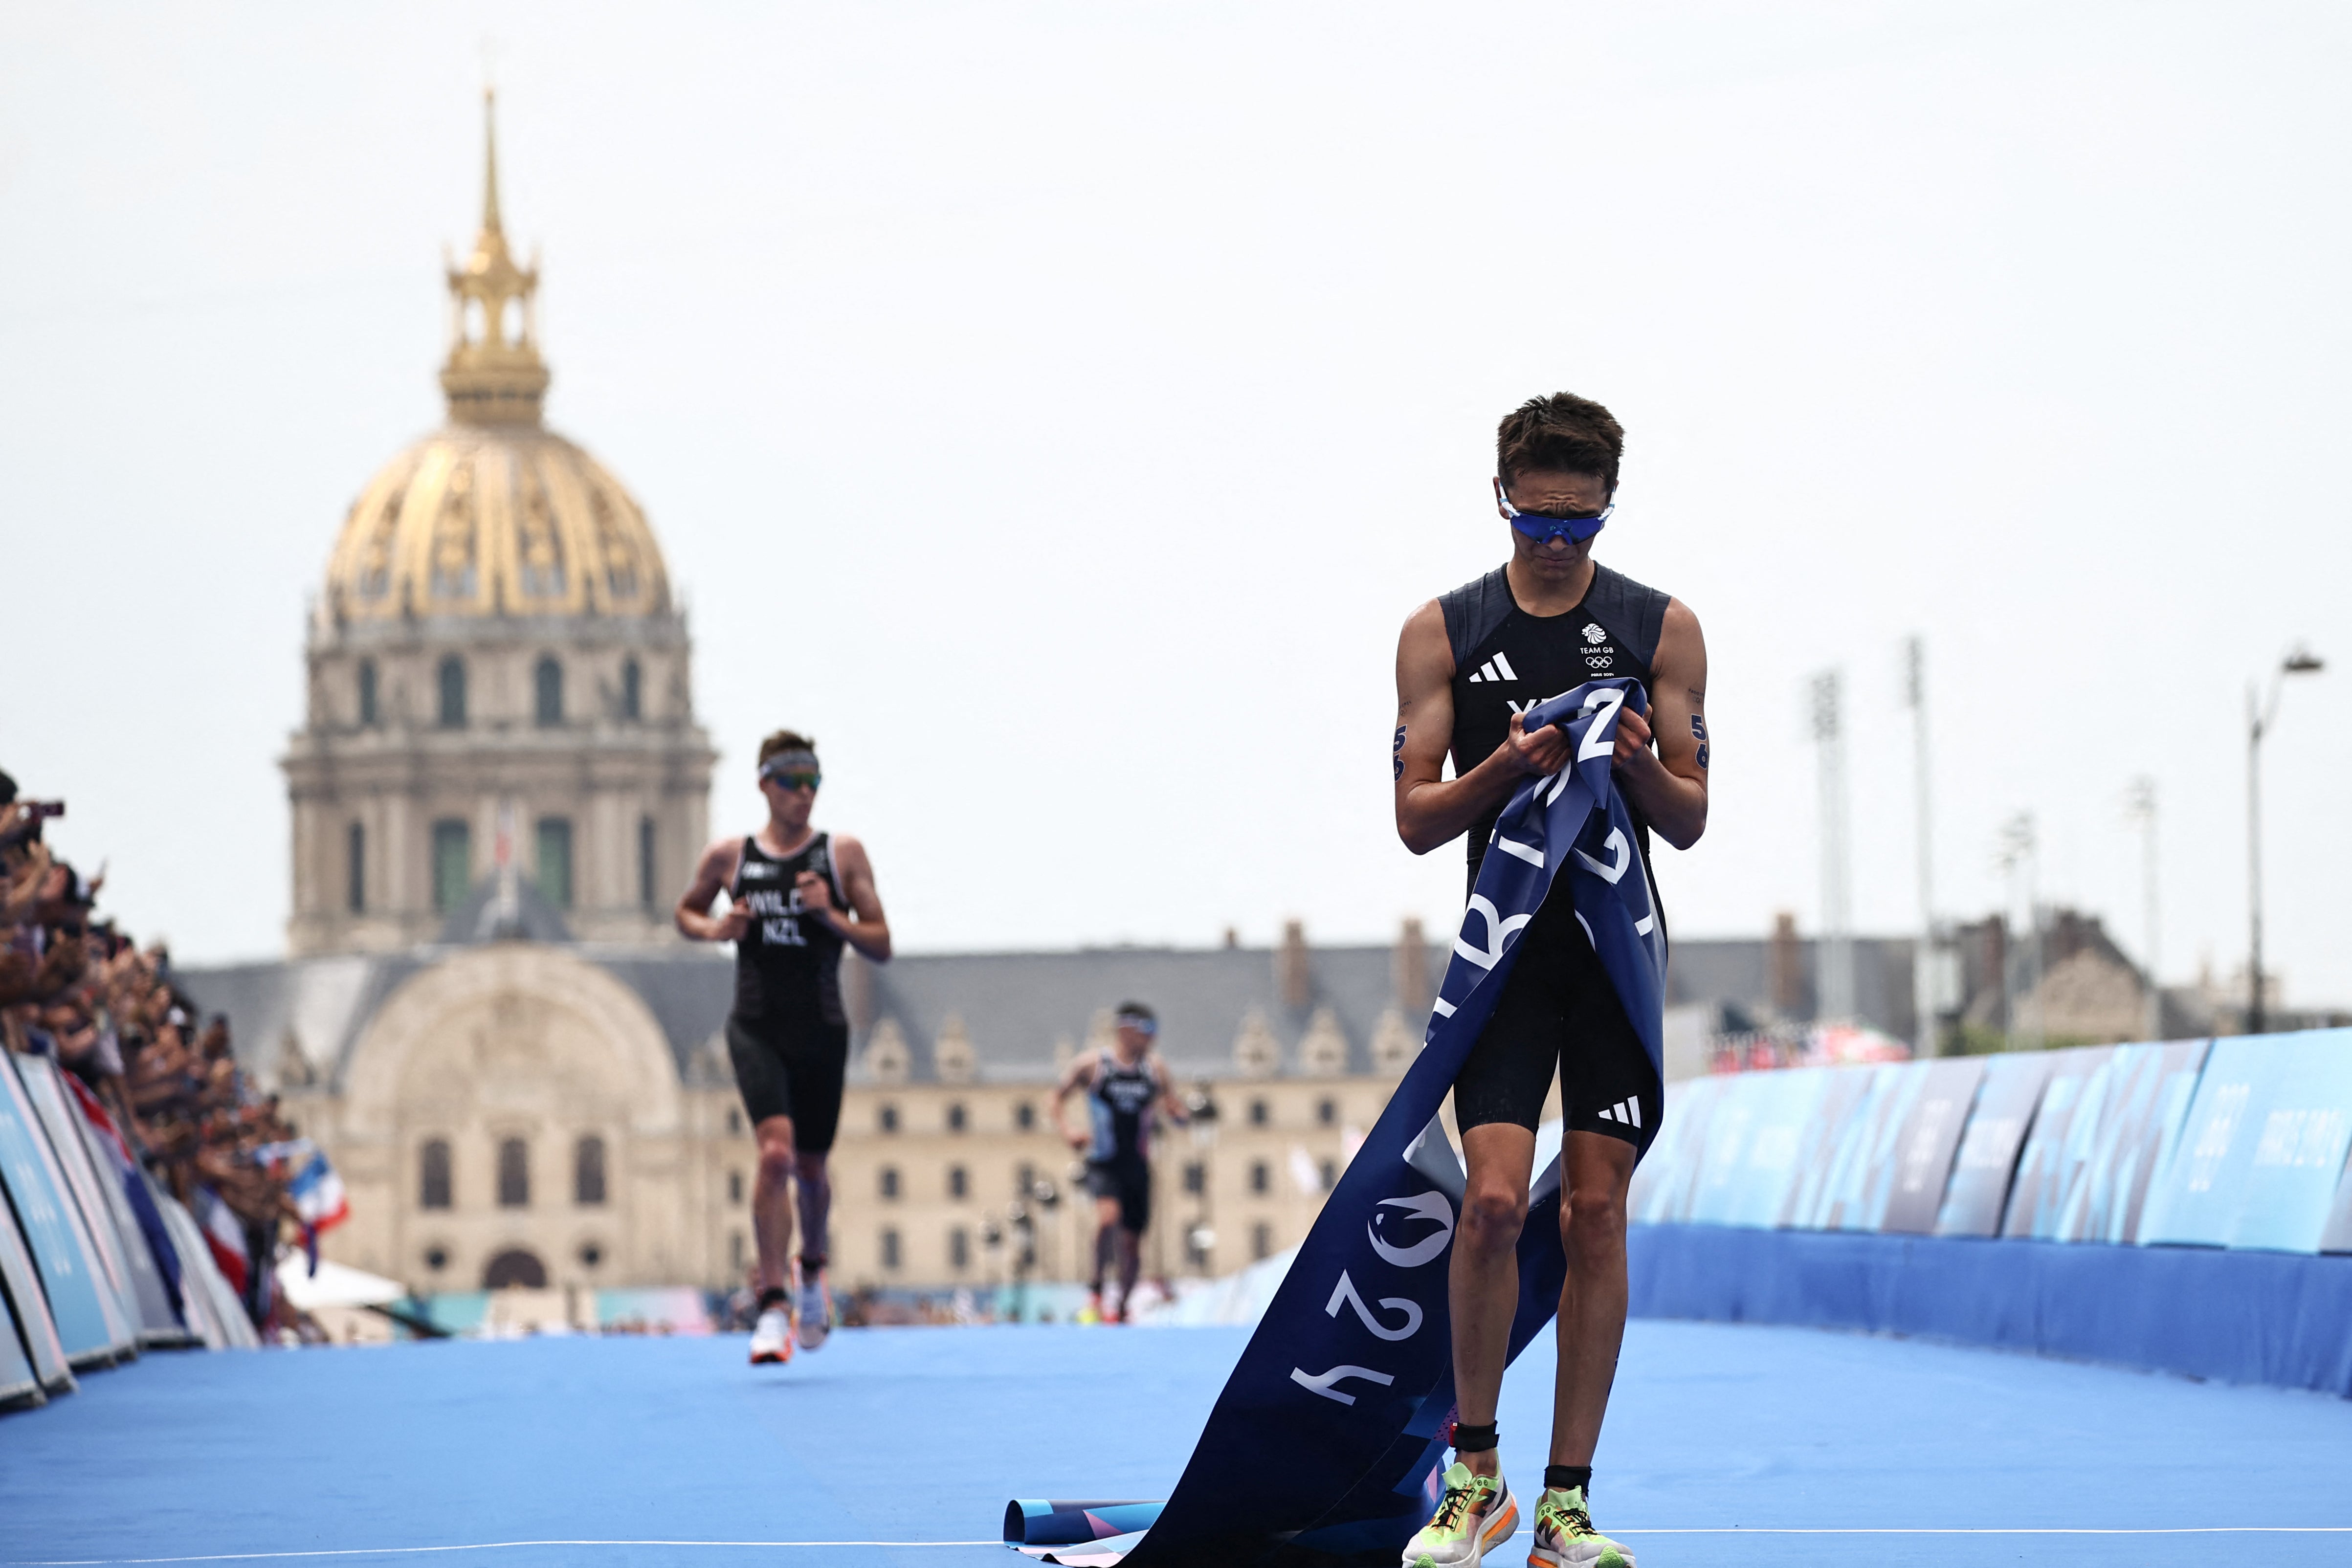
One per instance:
(1424, 634)
(717, 863)
(1682, 647)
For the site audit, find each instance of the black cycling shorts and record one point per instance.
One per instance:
(1129, 1181)
(792, 1068)
(1560, 1012)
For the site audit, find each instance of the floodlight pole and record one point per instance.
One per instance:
(2259, 717)
(2140, 805)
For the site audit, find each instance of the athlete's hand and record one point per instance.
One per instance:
(1542, 754)
(816, 893)
(732, 926)
(1633, 737)
(1078, 1141)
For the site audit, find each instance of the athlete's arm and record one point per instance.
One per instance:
(1077, 1075)
(1431, 809)
(712, 872)
(1168, 1102)
(862, 926)
(1669, 784)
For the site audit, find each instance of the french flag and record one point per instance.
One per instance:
(318, 1194)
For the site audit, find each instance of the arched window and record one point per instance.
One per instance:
(432, 1174)
(588, 1171)
(646, 886)
(889, 1181)
(959, 1248)
(453, 692)
(514, 1174)
(515, 1267)
(547, 688)
(633, 693)
(890, 1249)
(958, 1182)
(956, 1118)
(355, 869)
(367, 692)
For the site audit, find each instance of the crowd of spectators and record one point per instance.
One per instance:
(76, 987)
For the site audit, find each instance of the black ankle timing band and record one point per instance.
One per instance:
(1562, 1477)
(1469, 1440)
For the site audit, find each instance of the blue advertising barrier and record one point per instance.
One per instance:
(2245, 1317)
(79, 1300)
(2263, 1151)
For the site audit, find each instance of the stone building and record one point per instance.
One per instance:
(487, 1020)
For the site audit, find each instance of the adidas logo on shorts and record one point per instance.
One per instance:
(1629, 1112)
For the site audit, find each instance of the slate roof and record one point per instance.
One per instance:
(1016, 1007)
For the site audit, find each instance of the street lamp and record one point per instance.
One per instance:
(2259, 714)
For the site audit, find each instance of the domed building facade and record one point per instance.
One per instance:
(487, 1018)
(498, 675)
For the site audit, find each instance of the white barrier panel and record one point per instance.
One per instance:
(199, 1275)
(149, 1298)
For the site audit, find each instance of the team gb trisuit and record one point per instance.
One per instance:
(1118, 1160)
(1557, 1005)
(787, 1035)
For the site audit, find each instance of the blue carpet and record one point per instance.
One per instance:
(920, 1434)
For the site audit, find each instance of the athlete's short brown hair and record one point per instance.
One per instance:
(786, 740)
(1565, 433)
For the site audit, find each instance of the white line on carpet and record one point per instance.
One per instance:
(1701, 1530)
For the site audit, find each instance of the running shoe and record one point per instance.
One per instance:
(771, 1337)
(813, 1311)
(1476, 1513)
(1565, 1537)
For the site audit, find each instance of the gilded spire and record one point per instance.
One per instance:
(494, 374)
(490, 161)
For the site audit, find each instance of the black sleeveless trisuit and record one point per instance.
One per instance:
(787, 1035)
(1557, 1005)
(1119, 1157)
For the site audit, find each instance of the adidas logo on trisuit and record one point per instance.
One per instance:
(1497, 668)
(1626, 1111)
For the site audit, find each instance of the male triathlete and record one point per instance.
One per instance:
(1121, 1083)
(1468, 665)
(795, 896)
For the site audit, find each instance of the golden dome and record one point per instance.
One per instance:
(493, 514)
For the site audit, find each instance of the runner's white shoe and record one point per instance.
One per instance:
(1565, 1537)
(1476, 1514)
(771, 1339)
(813, 1311)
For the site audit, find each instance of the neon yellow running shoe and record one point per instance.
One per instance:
(1565, 1537)
(1477, 1512)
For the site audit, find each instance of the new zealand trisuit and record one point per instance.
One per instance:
(1118, 1160)
(787, 1035)
(1557, 1007)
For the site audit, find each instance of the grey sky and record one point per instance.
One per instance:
(1057, 409)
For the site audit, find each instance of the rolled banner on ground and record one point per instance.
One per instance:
(1031, 1521)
